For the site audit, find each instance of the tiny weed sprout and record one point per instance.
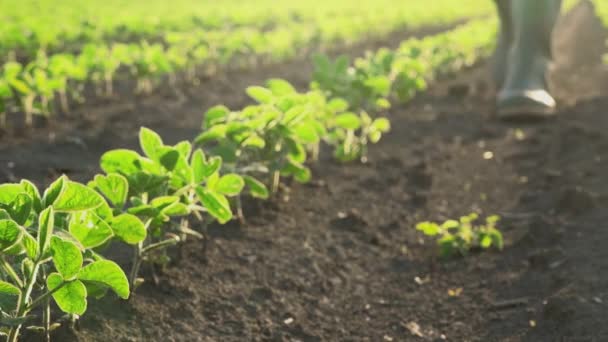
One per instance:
(459, 237)
(167, 183)
(49, 251)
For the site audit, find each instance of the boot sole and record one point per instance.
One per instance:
(525, 112)
(526, 105)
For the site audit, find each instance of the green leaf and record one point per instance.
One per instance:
(297, 151)
(383, 103)
(280, 87)
(381, 124)
(214, 115)
(428, 228)
(380, 84)
(53, 191)
(176, 209)
(348, 121)
(46, 225)
(254, 140)
(299, 172)
(10, 234)
(71, 297)
(450, 224)
(295, 115)
(337, 105)
(67, 258)
(182, 173)
(486, 241)
(9, 295)
(216, 204)
(143, 210)
(77, 197)
(107, 273)
(150, 142)
(212, 166)
(163, 201)
(492, 220)
(306, 133)
(125, 162)
(260, 94)
(115, 187)
(8, 192)
(141, 182)
(30, 245)
(375, 136)
(198, 165)
(184, 148)
(256, 188)
(20, 208)
(104, 211)
(168, 158)
(230, 184)
(95, 290)
(212, 133)
(128, 228)
(497, 238)
(4, 215)
(20, 86)
(212, 180)
(89, 229)
(34, 194)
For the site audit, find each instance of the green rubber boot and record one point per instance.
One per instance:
(524, 93)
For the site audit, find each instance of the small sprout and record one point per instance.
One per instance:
(459, 237)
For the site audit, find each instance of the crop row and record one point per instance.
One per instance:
(384, 76)
(51, 242)
(69, 24)
(51, 83)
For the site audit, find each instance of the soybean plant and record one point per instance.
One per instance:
(47, 251)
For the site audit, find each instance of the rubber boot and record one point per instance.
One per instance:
(524, 94)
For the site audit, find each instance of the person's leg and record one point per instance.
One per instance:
(524, 92)
(505, 40)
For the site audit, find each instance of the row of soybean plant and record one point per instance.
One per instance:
(49, 83)
(51, 243)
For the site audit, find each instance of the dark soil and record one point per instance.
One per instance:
(339, 259)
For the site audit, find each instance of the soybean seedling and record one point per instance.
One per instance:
(168, 182)
(459, 237)
(350, 134)
(272, 137)
(45, 253)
